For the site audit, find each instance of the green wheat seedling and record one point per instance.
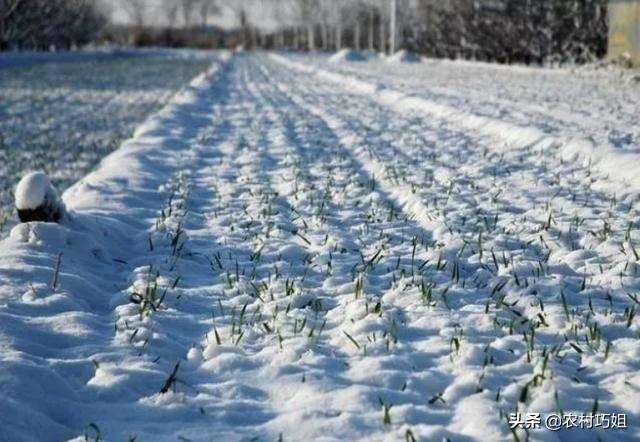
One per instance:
(386, 412)
(149, 300)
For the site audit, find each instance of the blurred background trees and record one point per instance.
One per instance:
(45, 24)
(523, 31)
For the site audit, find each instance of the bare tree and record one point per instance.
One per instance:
(137, 11)
(383, 29)
(170, 9)
(339, 15)
(9, 9)
(207, 7)
(42, 24)
(393, 28)
(501, 30)
(357, 25)
(309, 16)
(187, 12)
(371, 26)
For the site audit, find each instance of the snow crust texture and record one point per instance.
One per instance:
(292, 251)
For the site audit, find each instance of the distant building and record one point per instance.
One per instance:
(624, 29)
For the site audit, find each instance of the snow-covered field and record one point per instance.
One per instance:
(64, 112)
(295, 249)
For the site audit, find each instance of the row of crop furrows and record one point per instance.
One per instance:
(271, 293)
(397, 263)
(155, 283)
(386, 251)
(260, 256)
(500, 228)
(153, 290)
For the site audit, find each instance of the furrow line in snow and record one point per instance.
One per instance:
(615, 164)
(523, 174)
(475, 321)
(403, 195)
(319, 402)
(324, 163)
(395, 295)
(247, 329)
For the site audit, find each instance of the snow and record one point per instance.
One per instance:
(62, 112)
(303, 249)
(620, 164)
(34, 190)
(346, 55)
(403, 56)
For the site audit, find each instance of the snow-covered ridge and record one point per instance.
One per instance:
(347, 55)
(156, 135)
(620, 166)
(64, 117)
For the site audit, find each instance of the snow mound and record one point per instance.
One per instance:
(404, 56)
(32, 190)
(347, 55)
(37, 199)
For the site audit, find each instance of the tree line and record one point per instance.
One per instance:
(45, 24)
(524, 31)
